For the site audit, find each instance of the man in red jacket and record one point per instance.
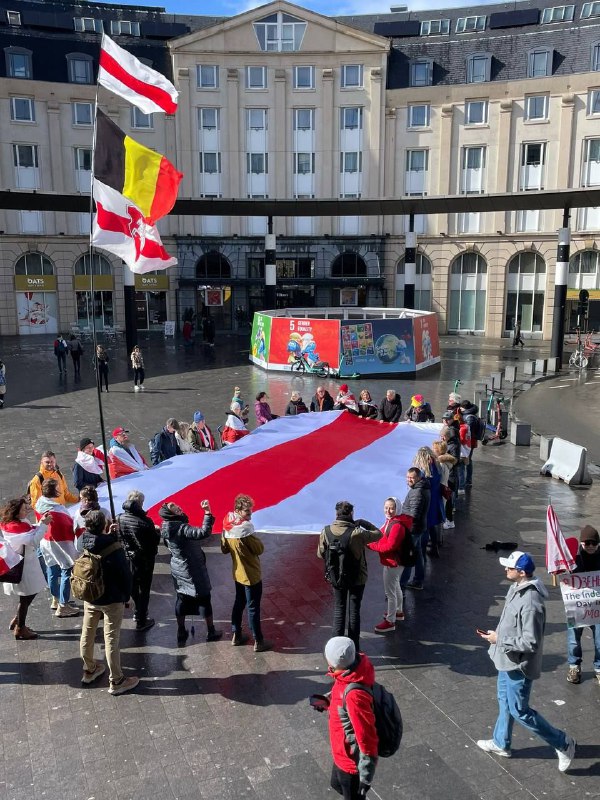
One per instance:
(352, 731)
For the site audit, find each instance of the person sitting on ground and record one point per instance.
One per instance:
(164, 444)
(49, 469)
(241, 542)
(447, 466)
(235, 427)
(454, 401)
(262, 409)
(322, 400)
(123, 457)
(419, 410)
(200, 435)
(245, 409)
(367, 407)
(296, 405)
(88, 469)
(88, 501)
(188, 567)
(394, 529)
(345, 400)
(99, 538)
(586, 560)
(390, 408)
(140, 537)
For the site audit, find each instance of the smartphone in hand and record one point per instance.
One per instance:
(480, 632)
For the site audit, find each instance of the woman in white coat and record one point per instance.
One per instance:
(23, 538)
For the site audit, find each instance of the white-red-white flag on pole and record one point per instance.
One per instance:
(558, 555)
(120, 227)
(134, 81)
(8, 558)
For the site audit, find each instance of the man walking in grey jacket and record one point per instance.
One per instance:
(516, 648)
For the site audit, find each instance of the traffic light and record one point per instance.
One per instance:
(584, 303)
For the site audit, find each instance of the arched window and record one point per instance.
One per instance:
(525, 286)
(101, 265)
(422, 283)
(468, 289)
(583, 270)
(348, 265)
(213, 265)
(34, 264)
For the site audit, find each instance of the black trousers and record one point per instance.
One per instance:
(347, 601)
(140, 589)
(103, 374)
(345, 783)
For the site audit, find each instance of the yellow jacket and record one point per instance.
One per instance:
(35, 487)
(245, 554)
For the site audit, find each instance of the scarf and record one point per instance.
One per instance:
(89, 462)
(234, 527)
(206, 437)
(129, 456)
(234, 422)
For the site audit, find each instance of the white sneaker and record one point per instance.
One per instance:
(66, 611)
(566, 756)
(126, 685)
(142, 388)
(136, 388)
(447, 525)
(461, 492)
(490, 746)
(90, 677)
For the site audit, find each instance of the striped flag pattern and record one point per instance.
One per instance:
(558, 555)
(8, 558)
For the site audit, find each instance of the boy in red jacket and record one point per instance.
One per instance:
(352, 731)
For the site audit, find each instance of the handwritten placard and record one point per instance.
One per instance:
(581, 596)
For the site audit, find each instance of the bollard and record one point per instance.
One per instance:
(510, 374)
(540, 366)
(551, 366)
(481, 387)
(483, 403)
(529, 368)
(520, 434)
(497, 380)
(478, 397)
(545, 447)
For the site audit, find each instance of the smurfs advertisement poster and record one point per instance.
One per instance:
(314, 340)
(260, 339)
(427, 343)
(377, 346)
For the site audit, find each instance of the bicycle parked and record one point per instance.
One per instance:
(584, 350)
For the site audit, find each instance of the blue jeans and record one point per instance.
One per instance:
(513, 704)
(469, 475)
(250, 596)
(460, 468)
(59, 583)
(420, 565)
(574, 645)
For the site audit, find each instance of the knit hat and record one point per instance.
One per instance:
(589, 534)
(198, 416)
(340, 652)
(519, 560)
(84, 443)
(417, 400)
(344, 387)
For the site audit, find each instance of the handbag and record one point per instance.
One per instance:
(14, 575)
(446, 492)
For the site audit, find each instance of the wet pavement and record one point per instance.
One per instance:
(212, 721)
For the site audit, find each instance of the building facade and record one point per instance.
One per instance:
(280, 102)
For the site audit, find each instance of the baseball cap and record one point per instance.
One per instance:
(447, 415)
(344, 387)
(198, 416)
(340, 652)
(519, 560)
(119, 431)
(84, 442)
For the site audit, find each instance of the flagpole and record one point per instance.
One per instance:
(94, 332)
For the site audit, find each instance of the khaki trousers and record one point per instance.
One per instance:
(113, 617)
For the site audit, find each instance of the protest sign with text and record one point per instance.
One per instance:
(581, 596)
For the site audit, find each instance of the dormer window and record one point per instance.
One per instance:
(124, 27)
(279, 32)
(13, 17)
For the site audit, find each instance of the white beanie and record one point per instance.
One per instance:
(340, 652)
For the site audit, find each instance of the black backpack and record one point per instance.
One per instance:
(388, 719)
(407, 555)
(341, 567)
(477, 426)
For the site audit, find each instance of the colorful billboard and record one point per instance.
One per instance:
(318, 338)
(377, 346)
(260, 339)
(427, 343)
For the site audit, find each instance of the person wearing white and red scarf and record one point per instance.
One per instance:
(58, 547)
(23, 537)
(123, 457)
(88, 469)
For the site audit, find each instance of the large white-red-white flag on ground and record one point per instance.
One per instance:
(295, 469)
(119, 227)
(558, 555)
(8, 558)
(134, 81)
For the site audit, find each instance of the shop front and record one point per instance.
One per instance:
(151, 301)
(37, 304)
(99, 308)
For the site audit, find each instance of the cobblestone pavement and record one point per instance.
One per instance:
(212, 721)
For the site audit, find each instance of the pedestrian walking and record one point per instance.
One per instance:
(137, 362)
(517, 338)
(61, 349)
(76, 350)
(2, 383)
(208, 330)
(586, 560)
(101, 364)
(516, 648)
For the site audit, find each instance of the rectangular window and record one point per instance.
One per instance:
(473, 164)
(416, 169)
(22, 109)
(533, 156)
(304, 119)
(594, 102)
(19, 65)
(13, 17)
(590, 10)
(208, 119)
(88, 25)
(476, 112)
(82, 113)
(210, 162)
(140, 120)
(123, 27)
(304, 163)
(418, 115)
(207, 76)
(257, 163)
(25, 155)
(536, 107)
(304, 77)
(596, 58)
(351, 118)
(592, 150)
(467, 24)
(557, 14)
(420, 73)
(478, 69)
(435, 27)
(83, 159)
(352, 76)
(256, 77)
(257, 119)
(539, 64)
(351, 162)
(80, 70)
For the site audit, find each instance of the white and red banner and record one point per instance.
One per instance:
(134, 81)
(295, 469)
(8, 558)
(558, 555)
(120, 227)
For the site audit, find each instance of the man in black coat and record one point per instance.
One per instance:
(416, 505)
(322, 400)
(587, 560)
(140, 538)
(390, 408)
(110, 605)
(165, 444)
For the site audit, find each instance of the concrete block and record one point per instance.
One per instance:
(510, 374)
(551, 366)
(540, 366)
(497, 378)
(481, 387)
(478, 397)
(483, 408)
(568, 463)
(520, 434)
(529, 367)
(545, 447)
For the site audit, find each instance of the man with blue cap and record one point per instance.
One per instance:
(516, 648)
(200, 435)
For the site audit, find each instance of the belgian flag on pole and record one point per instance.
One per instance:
(147, 178)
